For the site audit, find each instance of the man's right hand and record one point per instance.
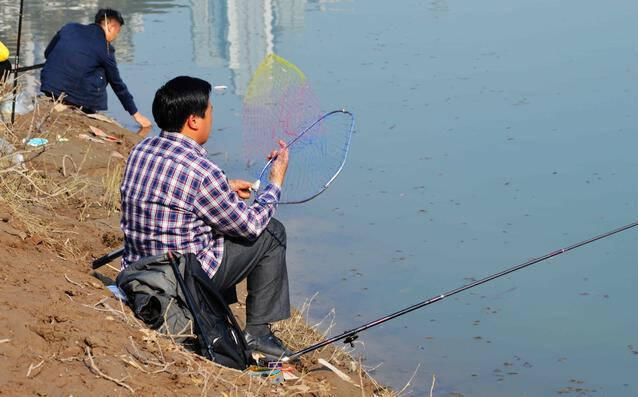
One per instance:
(143, 131)
(279, 165)
(141, 120)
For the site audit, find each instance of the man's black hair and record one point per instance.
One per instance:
(179, 98)
(108, 13)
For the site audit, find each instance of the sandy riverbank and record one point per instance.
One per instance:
(61, 331)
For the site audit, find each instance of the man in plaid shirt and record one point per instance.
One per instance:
(175, 199)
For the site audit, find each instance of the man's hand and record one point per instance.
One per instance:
(141, 120)
(143, 131)
(241, 187)
(279, 165)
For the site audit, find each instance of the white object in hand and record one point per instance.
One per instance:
(255, 186)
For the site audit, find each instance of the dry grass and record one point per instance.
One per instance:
(157, 353)
(27, 189)
(33, 185)
(301, 335)
(298, 334)
(151, 352)
(111, 184)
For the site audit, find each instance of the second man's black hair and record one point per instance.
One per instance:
(108, 13)
(179, 98)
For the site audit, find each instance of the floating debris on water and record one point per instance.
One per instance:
(220, 89)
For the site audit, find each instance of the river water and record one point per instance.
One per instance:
(487, 133)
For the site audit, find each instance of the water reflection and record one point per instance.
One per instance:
(231, 33)
(239, 34)
(42, 20)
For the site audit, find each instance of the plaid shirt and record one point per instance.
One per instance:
(174, 198)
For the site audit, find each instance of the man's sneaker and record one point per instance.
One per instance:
(268, 344)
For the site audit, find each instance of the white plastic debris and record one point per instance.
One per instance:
(220, 89)
(6, 149)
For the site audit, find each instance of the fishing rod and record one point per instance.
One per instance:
(103, 260)
(352, 335)
(17, 61)
(28, 68)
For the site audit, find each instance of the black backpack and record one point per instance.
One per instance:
(228, 346)
(149, 285)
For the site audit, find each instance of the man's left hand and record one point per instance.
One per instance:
(241, 187)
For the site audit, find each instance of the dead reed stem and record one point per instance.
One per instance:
(98, 372)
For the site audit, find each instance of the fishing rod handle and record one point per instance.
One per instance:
(99, 262)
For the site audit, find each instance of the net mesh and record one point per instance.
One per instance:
(278, 104)
(315, 158)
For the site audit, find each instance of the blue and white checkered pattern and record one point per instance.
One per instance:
(175, 199)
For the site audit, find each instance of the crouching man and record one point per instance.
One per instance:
(175, 199)
(80, 61)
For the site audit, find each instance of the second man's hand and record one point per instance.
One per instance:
(141, 120)
(143, 131)
(241, 187)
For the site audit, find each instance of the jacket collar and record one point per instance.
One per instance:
(100, 32)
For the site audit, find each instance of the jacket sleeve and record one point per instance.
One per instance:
(52, 44)
(113, 77)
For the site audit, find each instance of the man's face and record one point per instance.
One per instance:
(207, 123)
(112, 30)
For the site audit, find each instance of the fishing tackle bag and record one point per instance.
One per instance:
(153, 293)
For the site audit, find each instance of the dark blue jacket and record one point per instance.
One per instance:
(79, 63)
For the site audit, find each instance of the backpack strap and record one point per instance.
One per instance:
(229, 345)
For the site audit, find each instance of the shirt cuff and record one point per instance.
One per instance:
(270, 195)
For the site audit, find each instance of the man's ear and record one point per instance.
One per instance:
(193, 122)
